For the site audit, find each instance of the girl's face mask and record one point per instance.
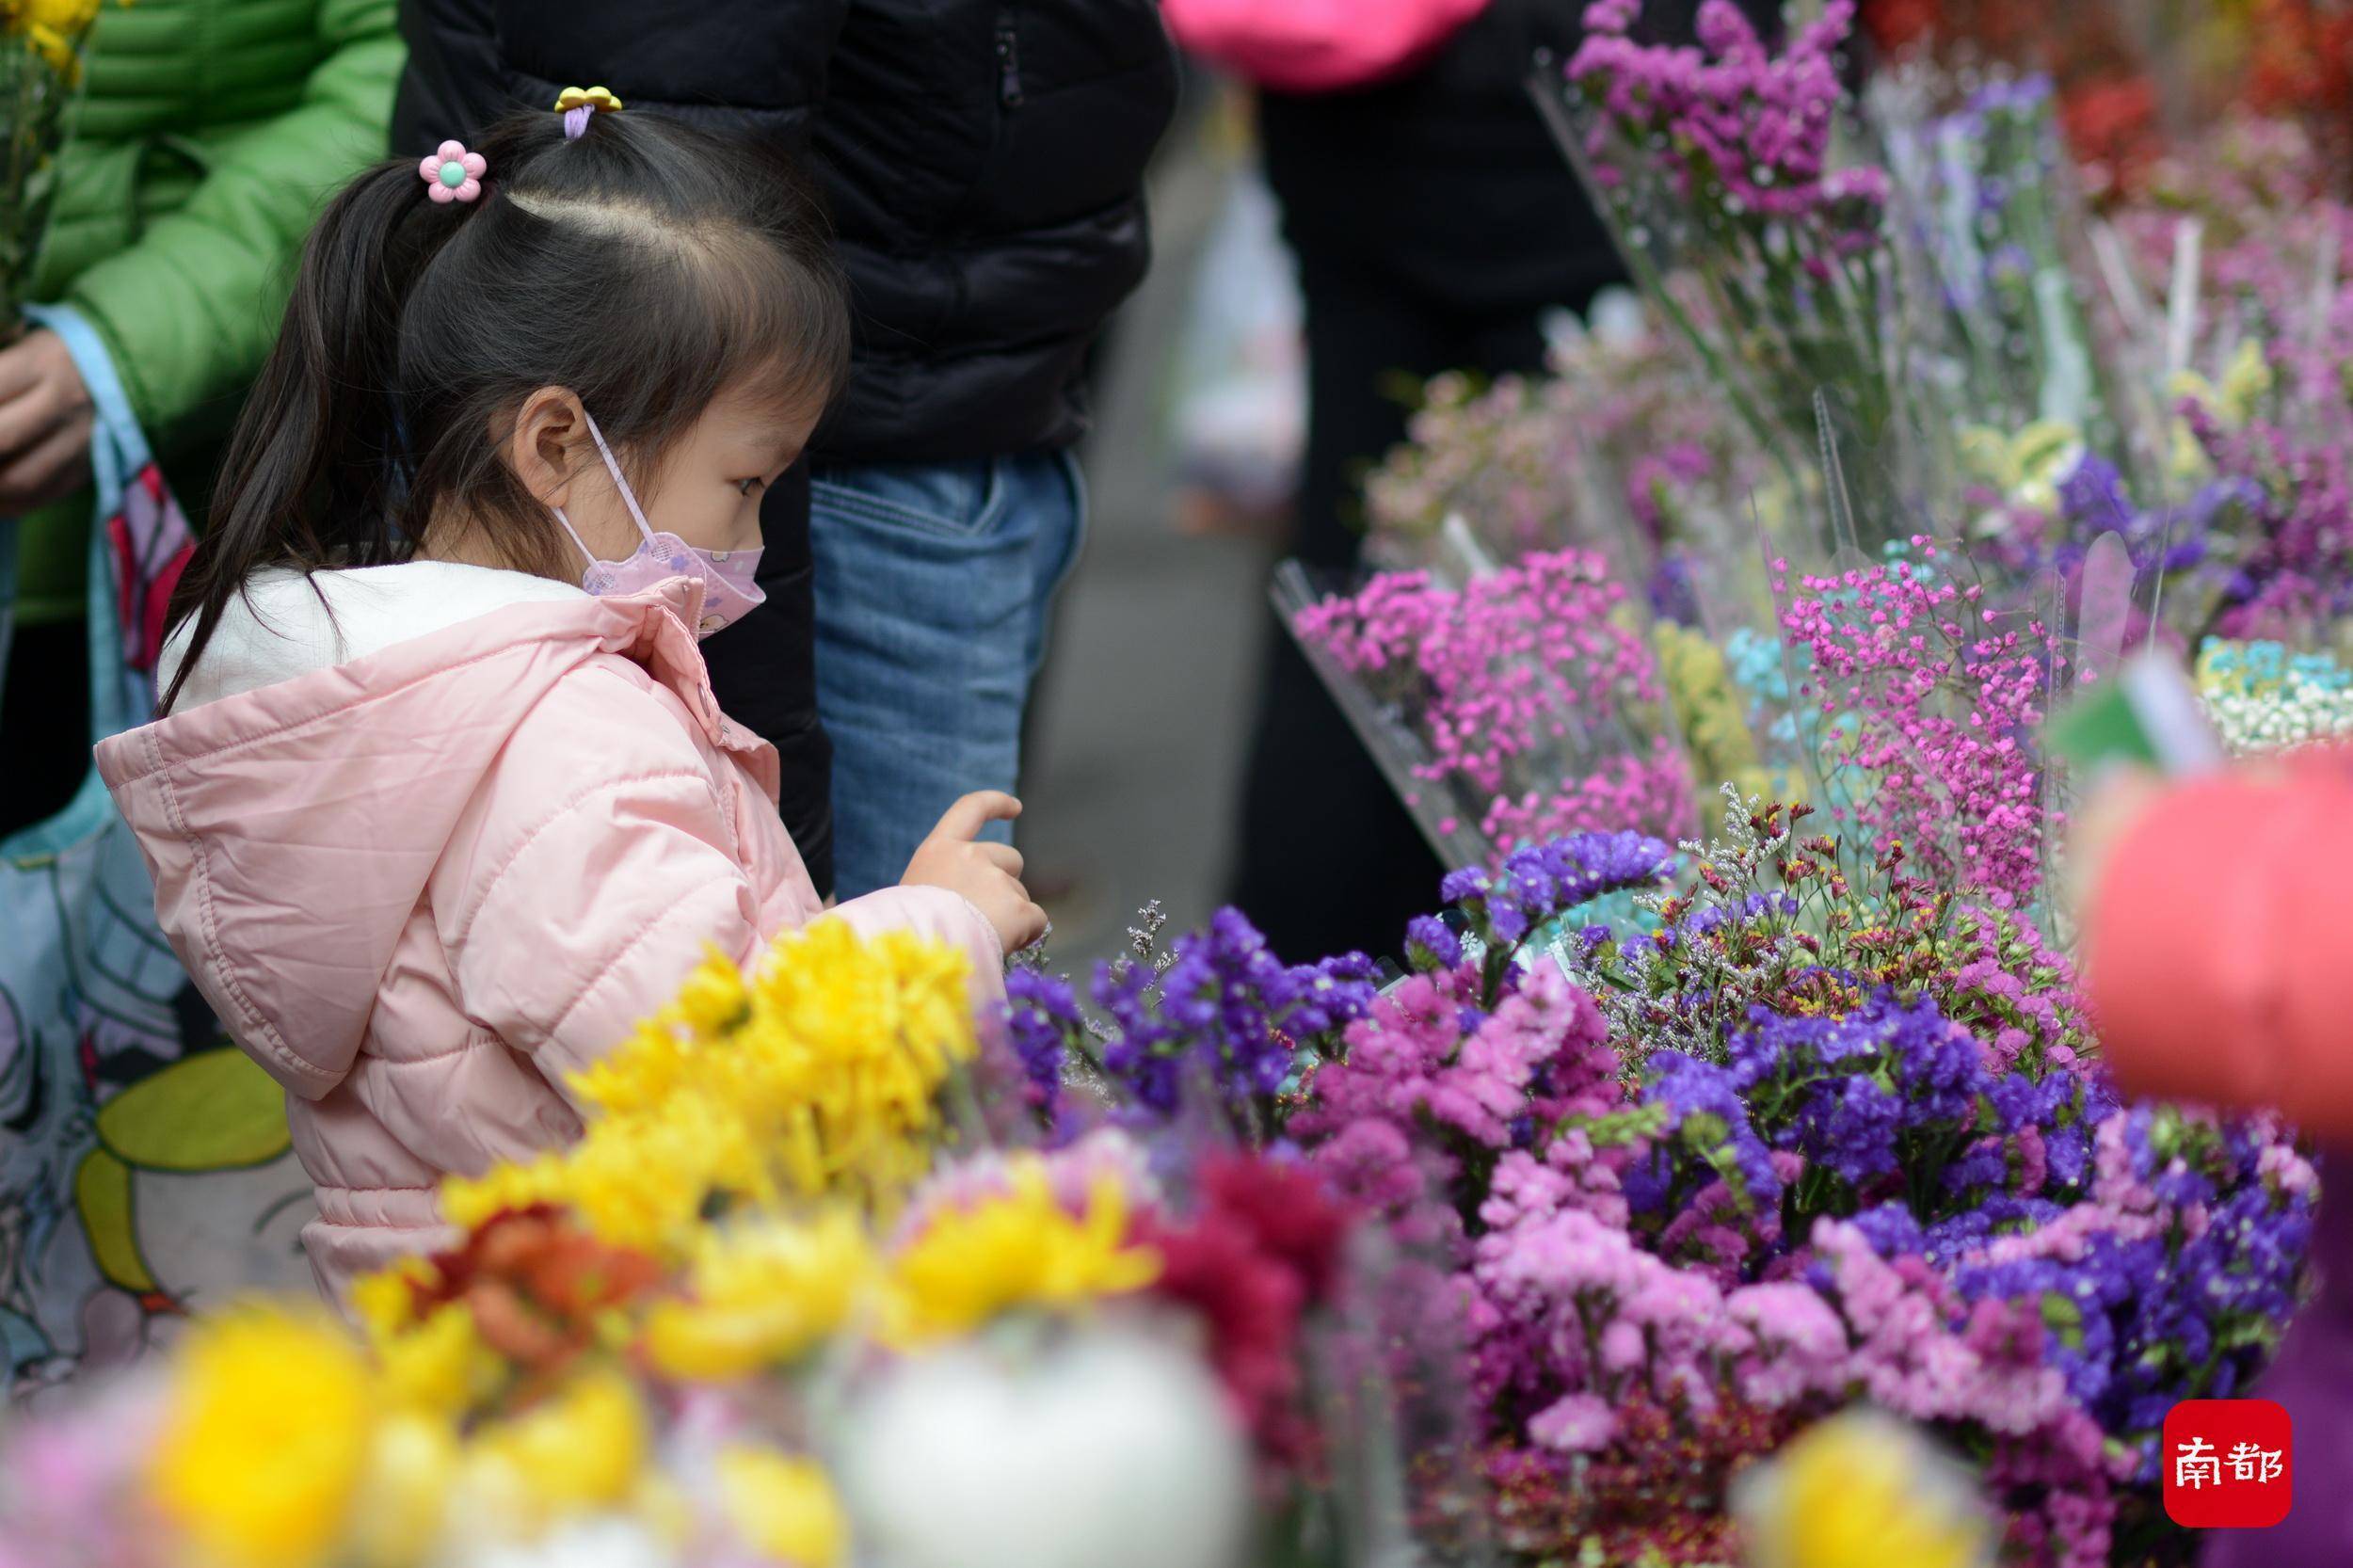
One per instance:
(730, 591)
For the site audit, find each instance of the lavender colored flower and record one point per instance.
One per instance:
(1042, 1023)
(1539, 882)
(1707, 1116)
(1431, 944)
(1226, 1011)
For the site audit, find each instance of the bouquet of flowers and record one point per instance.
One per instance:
(1767, 252)
(1518, 707)
(1987, 215)
(779, 1305)
(41, 65)
(1919, 706)
(2261, 698)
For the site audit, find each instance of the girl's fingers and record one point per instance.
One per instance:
(28, 477)
(1003, 857)
(24, 419)
(967, 817)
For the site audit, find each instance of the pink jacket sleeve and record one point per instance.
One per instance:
(599, 914)
(605, 865)
(2215, 945)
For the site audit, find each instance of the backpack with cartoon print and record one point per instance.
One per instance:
(145, 1165)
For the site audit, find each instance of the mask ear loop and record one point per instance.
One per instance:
(629, 497)
(578, 543)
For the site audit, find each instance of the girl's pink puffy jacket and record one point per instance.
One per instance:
(430, 838)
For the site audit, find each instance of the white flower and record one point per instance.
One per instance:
(1108, 1448)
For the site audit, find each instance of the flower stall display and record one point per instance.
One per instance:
(1827, 1136)
(781, 1304)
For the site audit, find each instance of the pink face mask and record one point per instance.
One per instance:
(729, 589)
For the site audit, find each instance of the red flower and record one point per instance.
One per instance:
(1262, 1249)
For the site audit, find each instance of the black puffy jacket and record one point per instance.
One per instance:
(984, 160)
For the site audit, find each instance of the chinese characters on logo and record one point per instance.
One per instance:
(2228, 1465)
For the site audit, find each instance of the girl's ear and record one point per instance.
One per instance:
(549, 443)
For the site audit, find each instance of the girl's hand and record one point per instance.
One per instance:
(987, 876)
(45, 423)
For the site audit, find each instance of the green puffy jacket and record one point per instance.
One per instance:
(210, 134)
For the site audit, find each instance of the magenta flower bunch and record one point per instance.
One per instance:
(1730, 120)
(1535, 706)
(1928, 702)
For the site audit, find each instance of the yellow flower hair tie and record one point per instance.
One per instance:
(578, 105)
(599, 99)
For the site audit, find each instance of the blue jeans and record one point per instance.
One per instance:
(933, 586)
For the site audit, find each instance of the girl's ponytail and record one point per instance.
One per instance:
(311, 469)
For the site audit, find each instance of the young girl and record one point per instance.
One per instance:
(443, 803)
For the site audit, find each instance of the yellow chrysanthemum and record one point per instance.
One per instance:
(783, 1507)
(579, 1452)
(817, 1074)
(268, 1429)
(1859, 1491)
(1018, 1249)
(761, 1295)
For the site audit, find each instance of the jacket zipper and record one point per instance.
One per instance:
(1009, 92)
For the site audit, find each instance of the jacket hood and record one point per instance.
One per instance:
(335, 740)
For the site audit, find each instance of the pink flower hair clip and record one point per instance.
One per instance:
(452, 173)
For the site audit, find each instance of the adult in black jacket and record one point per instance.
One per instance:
(1435, 222)
(983, 160)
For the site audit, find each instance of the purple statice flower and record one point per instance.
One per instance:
(1892, 1229)
(1539, 882)
(1226, 1011)
(1431, 944)
(1855, 1094)
(1043, 1023)
(2093, 496)
(1708, 1120)
(1143, 1052)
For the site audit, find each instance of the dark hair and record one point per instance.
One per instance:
(646, 267)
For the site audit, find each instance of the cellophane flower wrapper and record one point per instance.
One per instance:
(2232, 264)
(1523, 702)
(1985, 213)
(1717, 168)
(1620, 449)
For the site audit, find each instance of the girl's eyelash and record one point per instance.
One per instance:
(745, 486)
